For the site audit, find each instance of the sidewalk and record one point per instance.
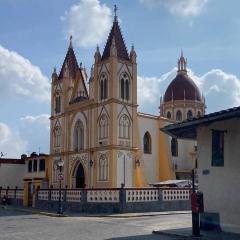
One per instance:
(70, 214)
(186, 233)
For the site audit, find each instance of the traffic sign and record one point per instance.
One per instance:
(60, 176)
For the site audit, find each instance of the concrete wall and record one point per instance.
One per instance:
(11, 175)
(221, 185)
(151, 161)
(185, 160)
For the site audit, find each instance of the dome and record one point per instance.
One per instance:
(182, 85)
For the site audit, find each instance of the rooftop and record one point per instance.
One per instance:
(187, 128)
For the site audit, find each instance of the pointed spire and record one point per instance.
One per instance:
(119, 42)
(97, 55)
(54, 74)
(182, 63)
(70, 62)
(133, 55)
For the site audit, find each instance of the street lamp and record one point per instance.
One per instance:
(137, 162)
(60, 164)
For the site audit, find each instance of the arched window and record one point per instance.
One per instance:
(103, 167)
(174, 147)
(78, 136)
(179, 116)
(198, 114)
(189, 114)
(147, 142)
(57, 135)
(103, 87)
(168, 115)
(124, 127)
(103, 127)
(127, 89)
(124, 89)
(58, 104)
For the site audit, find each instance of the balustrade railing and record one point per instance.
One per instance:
(142, 195)
(176, 194)
(73, 196)
(11, 193)
(99, 195)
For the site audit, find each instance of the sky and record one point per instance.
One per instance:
(34, 37)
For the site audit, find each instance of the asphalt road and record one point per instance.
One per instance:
(21, 226)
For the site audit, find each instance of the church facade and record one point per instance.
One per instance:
(99, 134)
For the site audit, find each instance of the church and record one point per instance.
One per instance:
(97, 131)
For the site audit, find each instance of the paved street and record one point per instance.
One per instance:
(21, 226)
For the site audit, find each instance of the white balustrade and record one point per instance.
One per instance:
(43, 194)
(143, 195)
(3, 193)
(103, 196)
(55, 195)
(73, 196)
(11, 193)
(19, 194)
(175, 194)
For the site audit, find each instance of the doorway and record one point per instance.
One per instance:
(80, 177)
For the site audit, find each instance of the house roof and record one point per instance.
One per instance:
(188, 128)
(120, 45)
(11, 161)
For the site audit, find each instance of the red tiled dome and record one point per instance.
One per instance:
(182, 82)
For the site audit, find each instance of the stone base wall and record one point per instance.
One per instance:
(115, 200)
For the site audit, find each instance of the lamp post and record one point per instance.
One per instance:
(60, 164)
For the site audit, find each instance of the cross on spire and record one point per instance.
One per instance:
(115, 10)
(70, 41)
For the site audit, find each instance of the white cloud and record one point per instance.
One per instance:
(88, 22)
(11, 143)
(178, 7)
(222, 90)
(19, 76)
(42, 119)
(35, 129)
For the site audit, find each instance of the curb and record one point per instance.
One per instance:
(133, 216)
(49, 214)
(176, 235)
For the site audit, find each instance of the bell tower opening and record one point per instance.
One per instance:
(80, 177)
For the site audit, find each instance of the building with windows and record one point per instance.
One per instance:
(11, 172)
(98, 132)
(35, 176)
(217, 135)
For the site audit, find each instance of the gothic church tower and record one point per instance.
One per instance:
(113, 86)
(95, 130)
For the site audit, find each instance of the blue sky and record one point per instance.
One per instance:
(34, 38)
